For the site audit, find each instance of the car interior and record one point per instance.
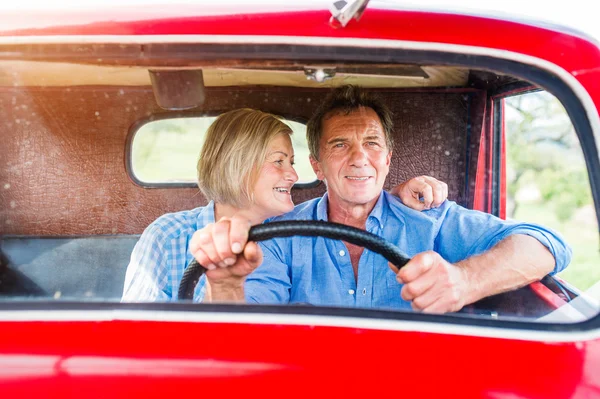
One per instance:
(72, 206)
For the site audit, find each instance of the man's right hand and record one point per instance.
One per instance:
(434, 285)
(224, 250)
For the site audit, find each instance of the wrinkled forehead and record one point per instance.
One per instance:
(337, 120)
(359, 111)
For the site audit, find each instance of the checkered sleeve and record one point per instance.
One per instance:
(147, 276)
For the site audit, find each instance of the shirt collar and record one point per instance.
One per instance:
(206, 215)
(322, 208)
(377, 214)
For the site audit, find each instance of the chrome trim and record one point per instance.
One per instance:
(299, 320)
(345, 10)
(543, 18)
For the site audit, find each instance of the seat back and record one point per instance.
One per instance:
(82, 267)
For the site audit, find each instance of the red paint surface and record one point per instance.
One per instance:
(149, 359)
(568, 51)
(483, 178)
(502, 210)
(161, 359)
(547, 295)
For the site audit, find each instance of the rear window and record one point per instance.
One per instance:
(166, 151)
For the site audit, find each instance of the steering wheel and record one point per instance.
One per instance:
(309, 228)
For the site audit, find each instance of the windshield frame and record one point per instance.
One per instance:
(554, 79)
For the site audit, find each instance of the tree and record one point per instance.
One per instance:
(543, 151)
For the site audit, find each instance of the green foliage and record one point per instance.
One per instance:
(543, 150)
(566, 190)
(168, 150)
(584, 270)
(544, 156)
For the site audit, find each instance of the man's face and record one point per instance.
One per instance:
(354, 158)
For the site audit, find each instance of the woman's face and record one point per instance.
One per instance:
(272, 192)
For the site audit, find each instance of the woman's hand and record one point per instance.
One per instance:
(223, 249)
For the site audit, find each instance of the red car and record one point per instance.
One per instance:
(97, 119)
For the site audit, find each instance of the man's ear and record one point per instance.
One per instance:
(316, 167)
(389, 158)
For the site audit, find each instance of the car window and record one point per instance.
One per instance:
(548, 183)
(97, 176)
(167, 150)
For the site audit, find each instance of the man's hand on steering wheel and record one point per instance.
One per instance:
(216, 251)
(432, 284)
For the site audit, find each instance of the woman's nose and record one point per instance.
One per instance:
(291, 175)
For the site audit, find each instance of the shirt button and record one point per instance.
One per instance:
(351, 292)
(342, 253)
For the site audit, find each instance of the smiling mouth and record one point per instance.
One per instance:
(282, 190)
(358, 178)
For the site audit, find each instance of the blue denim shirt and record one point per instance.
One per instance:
(318, 271)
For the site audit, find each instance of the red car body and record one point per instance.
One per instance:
(119, 350)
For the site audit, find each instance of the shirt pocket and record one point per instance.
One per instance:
(393, 287)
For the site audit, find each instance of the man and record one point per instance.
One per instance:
(458, 256)
(260, 189)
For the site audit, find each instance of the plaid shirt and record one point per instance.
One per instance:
(162, 254)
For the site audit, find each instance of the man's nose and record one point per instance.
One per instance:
(358, 156)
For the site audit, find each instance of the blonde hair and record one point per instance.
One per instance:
(233, 153)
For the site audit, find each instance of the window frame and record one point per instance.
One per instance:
(498, 186)
(499, 171)
(154, 117)
(535, 70)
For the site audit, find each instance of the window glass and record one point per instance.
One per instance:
(547, 181)
(167, 151)
(76, 226)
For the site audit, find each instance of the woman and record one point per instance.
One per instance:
(245, 169)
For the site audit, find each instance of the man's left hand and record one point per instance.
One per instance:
(433, 284)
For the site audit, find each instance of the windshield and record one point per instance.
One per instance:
(114, 179)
